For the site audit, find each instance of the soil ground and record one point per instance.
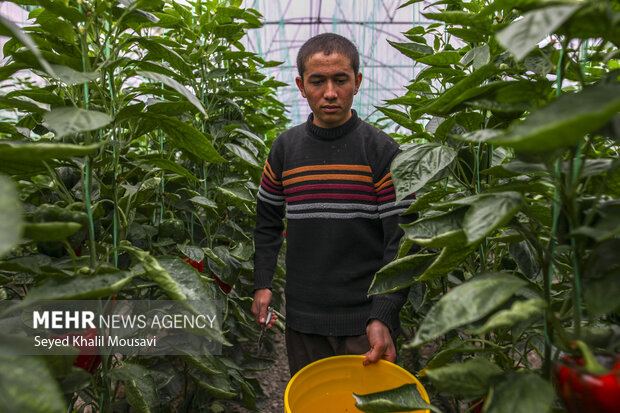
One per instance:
(273, 380)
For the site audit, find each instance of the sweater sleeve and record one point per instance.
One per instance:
(270, 211)
(386, 307)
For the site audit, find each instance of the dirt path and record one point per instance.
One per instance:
(273, 380)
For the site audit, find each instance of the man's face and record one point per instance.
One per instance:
(329, 85)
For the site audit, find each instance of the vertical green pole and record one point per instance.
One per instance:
(88, 161)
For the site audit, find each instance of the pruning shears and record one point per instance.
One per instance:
(263, 328)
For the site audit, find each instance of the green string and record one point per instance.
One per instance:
(576, 166)
(554, 226)
(483, 257)
(87, 166)
(114, 154)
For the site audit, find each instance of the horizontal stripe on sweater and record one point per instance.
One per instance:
(328, 177)
(322, 168)
(337, 191)
(265, 183)
(269, 198)
(332, 215)
(320, 187)
(369, 198)
(268, 173)
(328, 205)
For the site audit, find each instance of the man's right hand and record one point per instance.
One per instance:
(260, 305)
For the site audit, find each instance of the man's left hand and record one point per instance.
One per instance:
(381, 344)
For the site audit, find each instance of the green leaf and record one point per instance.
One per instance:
(140, 389)
(478, 56)
(404, 398)
(60, 9)
(522, 35)
(192, 252)
(22, 152)
(186, 280)
(168, 81)
(471, 378)
(520, 393)
(602, 279)
(67, 120)
(229, 271)
(400, 273)
(7, 103)
(72, 77)
(461, 18)
(592, 167)
(436, 231)
(468, 35)
(243, 154)
(10, 215)
(416, 166)
(214, 257)
(157, 273)
(401, 118)
(171, 166)
(445, 58)
(82, 287)
(522, 254)
(159, 52)
(203, 362)
(516, 167)
(233, 197)
(409, 3)
(565, 121)
(250, 135)
(457, 93)
(203, 202)
(50, 231)
(28, 386)
(216, 384)
(26, 40)
(412, 50)
(456, 346)
(448, 259)
(489, 213)
(466, 303)
(43, 95)
(520, 311)
(184, 136)
(228, 31)
(424, 201)
(55, 27)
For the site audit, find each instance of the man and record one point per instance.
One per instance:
(330, 178)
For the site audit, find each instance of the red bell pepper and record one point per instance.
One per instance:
(225, 287)
(200, 266)
(86, 359)
(585, 386)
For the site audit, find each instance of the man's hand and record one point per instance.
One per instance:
(381, 344)
(262, 299)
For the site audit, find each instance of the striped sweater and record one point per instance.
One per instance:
(335, 190)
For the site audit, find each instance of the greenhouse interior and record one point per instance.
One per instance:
(310, 206)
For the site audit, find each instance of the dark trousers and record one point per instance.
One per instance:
(304, 349)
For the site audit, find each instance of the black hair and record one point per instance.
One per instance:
(327, 43)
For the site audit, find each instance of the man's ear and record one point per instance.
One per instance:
(300, 85)
(358, 82)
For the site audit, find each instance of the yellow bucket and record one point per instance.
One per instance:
(326, 386)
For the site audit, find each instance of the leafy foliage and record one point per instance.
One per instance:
(145, 130)
(515, 171)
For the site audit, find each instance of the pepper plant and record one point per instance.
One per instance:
(510, 131)
(134, 150)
